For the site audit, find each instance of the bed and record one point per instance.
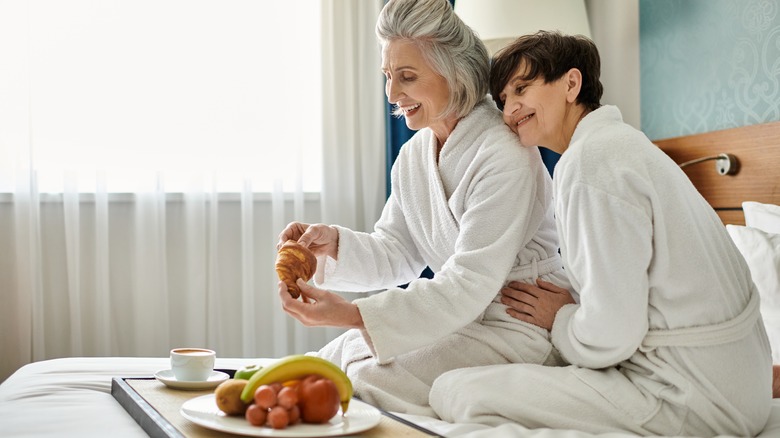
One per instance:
(72, 396)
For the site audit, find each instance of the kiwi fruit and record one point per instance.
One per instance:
(228, 396)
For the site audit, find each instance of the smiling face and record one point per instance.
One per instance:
(535, 110)
(420, 93)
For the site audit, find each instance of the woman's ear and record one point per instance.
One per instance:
(573, 79)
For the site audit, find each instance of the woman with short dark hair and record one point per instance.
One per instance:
(667, 338)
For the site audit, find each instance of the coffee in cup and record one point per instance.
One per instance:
(192, 364)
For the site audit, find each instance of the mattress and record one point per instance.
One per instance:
(72, 397)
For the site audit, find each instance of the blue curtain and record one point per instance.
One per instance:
(397, 134)
(549, 158)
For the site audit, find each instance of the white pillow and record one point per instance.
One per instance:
(761, 251)
(765, 217)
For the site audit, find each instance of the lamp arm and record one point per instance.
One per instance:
(726, 164)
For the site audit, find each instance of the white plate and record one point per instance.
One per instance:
(204, 412)
(167, 377)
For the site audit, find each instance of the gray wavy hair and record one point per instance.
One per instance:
(453, 50)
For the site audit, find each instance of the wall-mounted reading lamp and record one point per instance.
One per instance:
(725, 164)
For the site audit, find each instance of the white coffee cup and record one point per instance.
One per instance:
(192, 364)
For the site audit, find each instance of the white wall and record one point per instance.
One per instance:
(614, 26)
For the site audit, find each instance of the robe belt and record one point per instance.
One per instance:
(707, 335)
(537, 267)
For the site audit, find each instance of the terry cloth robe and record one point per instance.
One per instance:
(666, 339)
(478, 215)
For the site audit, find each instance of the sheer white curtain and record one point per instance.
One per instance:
(354, 114)
(150, 153)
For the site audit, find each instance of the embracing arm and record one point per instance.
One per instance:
(607, 243)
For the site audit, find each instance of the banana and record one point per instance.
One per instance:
(295, 367)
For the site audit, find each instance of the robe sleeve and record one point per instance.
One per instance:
(502, 210)
(607, 242)
(383, 259)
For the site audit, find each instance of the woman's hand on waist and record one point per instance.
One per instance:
(535, 304)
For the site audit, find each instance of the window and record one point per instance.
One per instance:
(139, 93)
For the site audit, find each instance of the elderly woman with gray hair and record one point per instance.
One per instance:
(467, 200)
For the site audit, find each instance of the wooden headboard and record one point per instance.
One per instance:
(757, 148)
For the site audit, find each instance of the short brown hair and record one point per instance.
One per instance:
(550, 55)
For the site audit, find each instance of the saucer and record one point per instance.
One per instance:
(167, 377)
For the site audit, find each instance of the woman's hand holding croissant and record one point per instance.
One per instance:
(321, 239)
(316, 307)
(321, 308)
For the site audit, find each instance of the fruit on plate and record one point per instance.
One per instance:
(318, 399)
(228, 396)
(246, 371)
(256, 416)
(297, 367)
(312, 399)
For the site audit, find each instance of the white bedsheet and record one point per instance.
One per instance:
(72, 397)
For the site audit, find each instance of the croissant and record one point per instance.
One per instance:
(294, 261)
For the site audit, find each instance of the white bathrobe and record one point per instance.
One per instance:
(656, 272)
(478, 215)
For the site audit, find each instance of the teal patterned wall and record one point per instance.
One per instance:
(707, 65)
